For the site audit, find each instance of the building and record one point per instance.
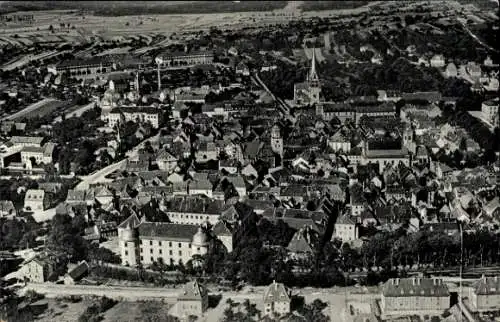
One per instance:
(346, 229)
(193, 210)
(303, 243)
(438, 61)
(277, 300)
(38, 154)
(166, 161)
(490, 112)
(39, 270)
(339, 142)
(386, 157)
(35, 141)
(7, 209)
(277, 140)
(485, 295)
(143, 114)
(84, 68)
(35, 200)
(192, 300)
(77, 273)
(414, 296)
(309, 91)
(151, 242)
(185, 58)
(451, 70)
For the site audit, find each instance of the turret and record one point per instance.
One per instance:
(130, 239)
(199, 245)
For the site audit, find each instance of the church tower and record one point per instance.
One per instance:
(277, 140)
(313, 80)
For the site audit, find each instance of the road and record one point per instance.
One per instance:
(129, 293)
(476, 38)
(76, 113)
(284, 108)
(31, 108)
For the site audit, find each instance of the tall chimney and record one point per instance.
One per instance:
(159, 78)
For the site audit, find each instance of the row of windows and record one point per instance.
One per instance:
(160, 243)
(189, 216)
(170, 252)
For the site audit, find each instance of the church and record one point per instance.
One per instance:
(308, 92)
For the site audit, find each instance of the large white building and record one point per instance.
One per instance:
(151, 242)
(143, 114)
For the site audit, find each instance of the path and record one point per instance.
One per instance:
(476, 38)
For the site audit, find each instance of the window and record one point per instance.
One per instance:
(151, 250)
(142, 258)
(141, 250)
(180, 245)
(159, 243)
(159, 251)
(152, 259)
(169, 244)
(170, 252)
(150, 243)
(140, 241)
(180, 253)
(126, 253)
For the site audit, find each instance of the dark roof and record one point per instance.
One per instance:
(408, 287)
(194, 204)
(79, 271)
(167, 231)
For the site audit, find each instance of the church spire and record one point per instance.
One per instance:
(313, 75)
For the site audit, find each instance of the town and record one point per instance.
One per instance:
(256, 161)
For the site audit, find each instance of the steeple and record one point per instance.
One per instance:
(313, 75)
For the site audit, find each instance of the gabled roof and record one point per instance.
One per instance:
(487, 286)
(410, 287)
(132, 221)
(80, 270)
(303, 241)
(192, 291)
(492, 206)
(276, 292)
(221, 228)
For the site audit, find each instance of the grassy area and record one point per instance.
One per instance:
(124, 8)
(59, 310)
(331, 5)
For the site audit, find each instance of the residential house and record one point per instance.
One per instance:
(39, 269)
(414, 296)
(438, 61)
(35, 200)
(277, 300)
(303, 244)
(7, 209)
(192, 300)
(346, 229)
(339, 142)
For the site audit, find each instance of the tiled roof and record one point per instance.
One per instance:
(192, 291)
(194, 204)
(276, 292)
(79, 270)
(488, 286)
(167, 231)
(408, 287)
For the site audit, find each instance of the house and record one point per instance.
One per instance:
(35, 200)
(7, 209)
(277, 300)
(492, 208)
(77, 273)
(223, 231)
(166, 161)
(39, 269)
(346, 229)
(103, 195)
(303, 243)
(192, 300)
(242, 69)
(438, 61)
(414, 296)
(194, 210)
(339, 142)
(485, 295)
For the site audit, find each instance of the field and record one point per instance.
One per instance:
(123, 8)
(63, 311)
(136, 311)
